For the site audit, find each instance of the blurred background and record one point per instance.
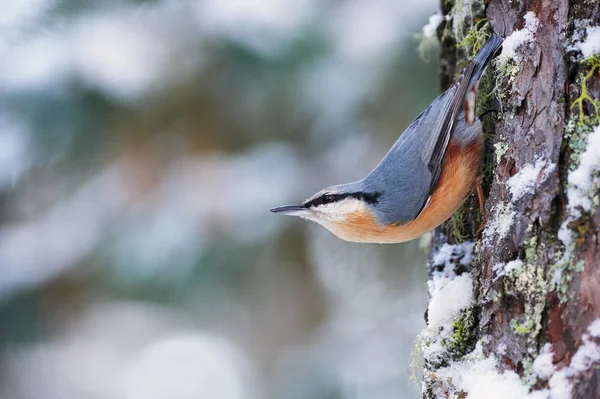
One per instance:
(141, 146)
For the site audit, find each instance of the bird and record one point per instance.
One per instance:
(421, 181)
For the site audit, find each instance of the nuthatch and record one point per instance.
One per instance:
(421, 181)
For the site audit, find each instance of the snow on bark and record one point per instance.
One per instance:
(525, 322)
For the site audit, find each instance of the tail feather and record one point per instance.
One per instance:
(488, 51)
(485, 55)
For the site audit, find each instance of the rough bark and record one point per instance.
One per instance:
(524, 311)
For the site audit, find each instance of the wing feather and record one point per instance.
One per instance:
(409, 173)
(444, 128)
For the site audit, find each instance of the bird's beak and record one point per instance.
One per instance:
(290, 210)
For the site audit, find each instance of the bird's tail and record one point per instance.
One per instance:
(488, 51)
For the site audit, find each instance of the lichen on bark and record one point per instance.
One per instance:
(555, 293)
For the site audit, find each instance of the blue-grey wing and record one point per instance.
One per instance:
(410, 171)
(451, 105)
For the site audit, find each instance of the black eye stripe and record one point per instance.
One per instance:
(369, 198)
(325, 199)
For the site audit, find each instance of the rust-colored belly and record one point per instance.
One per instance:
(459, 174)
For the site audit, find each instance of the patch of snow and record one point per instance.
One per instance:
(450, 294)
(560, 386)
(586, 356)
(528, 177)
(434, 21)
(448, 298)
(542, 365)
(577, 199)
(582, 179)
(558, 275)
(565, 235)
(450, 255)
(501, 349)
(579, 30)
(513, 265)
(561, 382)
(591, 45)
(501, 269)
(519, 37)
(435, 350)
(443, 255)
(594, 329)
(478, 376)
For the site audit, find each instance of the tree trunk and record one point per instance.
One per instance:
(534, 265)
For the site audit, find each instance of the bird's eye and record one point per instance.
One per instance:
(328, 199)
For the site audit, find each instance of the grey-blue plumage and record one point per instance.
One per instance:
(411, 169)
(435, 161)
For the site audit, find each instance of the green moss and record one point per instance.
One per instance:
(464, 13)
(575, 141)
(457, 225)
(523, 328)
(466, 28)
(457, 16)
(593, 63)
(581, 229)
(459, 345)
(476, 36)
(463, 338)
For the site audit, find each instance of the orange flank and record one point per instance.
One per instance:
(459, 174)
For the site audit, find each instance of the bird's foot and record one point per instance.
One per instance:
(482, 212)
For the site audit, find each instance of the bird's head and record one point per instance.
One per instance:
(341, 209)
